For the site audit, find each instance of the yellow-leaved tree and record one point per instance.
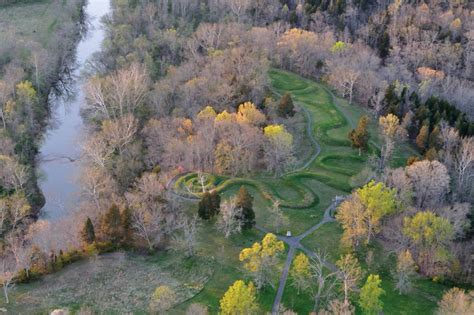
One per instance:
(300, 272)
(261, 259)
(278, 148)
(249, 114)
(240, 299)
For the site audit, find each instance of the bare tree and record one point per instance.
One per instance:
(464, 166)
(8, 268)
(229, 221)
(430, 182)
(151, 219)
(117, 94)
(186, 236)
(326, 281)
(21, 251)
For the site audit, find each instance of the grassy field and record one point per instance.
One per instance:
(29, 21)
(304, 195)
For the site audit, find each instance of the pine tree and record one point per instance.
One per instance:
(126, 220)
(209, 205)
(112, 224)
(360, 136)
(286, 107)
(88, 234)
(384, 45)
(244, 201)
(215, 202)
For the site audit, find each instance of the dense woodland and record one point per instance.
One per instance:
(182, 86)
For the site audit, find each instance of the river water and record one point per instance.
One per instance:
(59, 167)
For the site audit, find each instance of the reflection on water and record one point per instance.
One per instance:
(61, 148)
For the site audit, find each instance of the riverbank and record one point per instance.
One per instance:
(38, 49)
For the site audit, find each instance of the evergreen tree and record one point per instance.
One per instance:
(384, 45)
(215, 202)
(126, 220)
(87, 233)
(360, 136)
(112, 224)
(244, 201)
(204, 206)
(286, 108)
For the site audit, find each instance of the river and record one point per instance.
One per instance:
(60, 151)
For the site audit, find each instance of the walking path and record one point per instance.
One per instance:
(294, 243)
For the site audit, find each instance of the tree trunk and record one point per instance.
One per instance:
(5, 291)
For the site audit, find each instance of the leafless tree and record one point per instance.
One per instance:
(8, 268)
(117, 94)
(464, 166)
(430, 183)
(326, 282)
(229, 219)
(185, 237)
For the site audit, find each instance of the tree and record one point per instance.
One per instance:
(244, 201)
(112, 225)
(360, 136)
(249, 114)
(278, 218)
(464, 168)
(162, 299)
(350, 274)
(429, 181)
(127, 224)
(87, 233)
(429, 234)
(326, 281)
(370, 293)
(378, 202)
(239, 299)
(8, 270)
(209, 205)
(456, 302)
(261, 259)
(151, 216)
(351, 215)
(230, 219)
(361, 215)
(300, 272)
(186, 238)
(118, 94)
(406, 269)
(278, 148)
(422, 138)
(286, 108)
(391, 131)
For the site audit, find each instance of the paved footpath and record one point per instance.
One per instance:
(294, 243)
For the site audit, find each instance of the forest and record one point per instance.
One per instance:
(240, 157)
